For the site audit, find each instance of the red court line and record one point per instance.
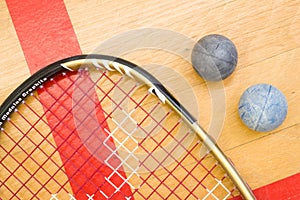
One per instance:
(44, 30)
(46, 35)
(288, 188)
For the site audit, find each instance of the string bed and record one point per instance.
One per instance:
(96, 134)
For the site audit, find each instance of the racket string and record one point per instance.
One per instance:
(169, 174)
(81, 108)
(64, 125)
(161, 172)
(158, 143)
(12, 174)
(210, 172)
(141, 122)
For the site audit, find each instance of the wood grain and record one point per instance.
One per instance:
(266, 34)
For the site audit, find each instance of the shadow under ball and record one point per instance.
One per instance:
(214, 57)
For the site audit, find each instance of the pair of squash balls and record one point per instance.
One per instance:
(262, 107)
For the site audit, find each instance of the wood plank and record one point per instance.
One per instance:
(266, 34)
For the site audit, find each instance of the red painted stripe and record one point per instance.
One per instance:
(288, 188)
(46, 35)
(44, 30)
(285, 189)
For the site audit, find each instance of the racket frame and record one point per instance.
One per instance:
(133, 71)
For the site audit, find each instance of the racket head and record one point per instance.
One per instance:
(99, 126)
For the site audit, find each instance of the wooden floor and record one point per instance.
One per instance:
(266, 34)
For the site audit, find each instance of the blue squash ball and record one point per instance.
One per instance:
(263, 107)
